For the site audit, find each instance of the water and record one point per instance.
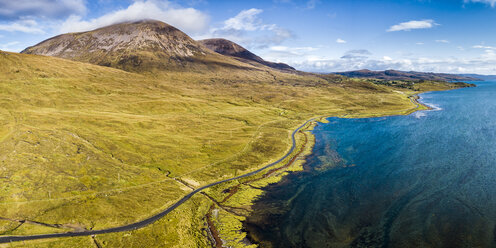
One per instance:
(423, 180)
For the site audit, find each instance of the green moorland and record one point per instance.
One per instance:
(90, 147)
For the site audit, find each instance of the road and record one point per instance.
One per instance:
(152, 219)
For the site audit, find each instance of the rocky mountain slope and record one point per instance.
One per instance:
(229, 48)
(409, 76)
(134, 46)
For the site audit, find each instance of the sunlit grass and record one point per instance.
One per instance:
(98, 147)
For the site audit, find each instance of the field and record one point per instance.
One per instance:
(90, 147)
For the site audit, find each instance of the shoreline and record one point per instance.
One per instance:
(161, 214)
(254, 233)
(414, 98)
(283, 171)
(307, 150)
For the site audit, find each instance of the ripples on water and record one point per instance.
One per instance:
(424, 180)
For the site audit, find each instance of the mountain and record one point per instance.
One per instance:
(481, 77)
(229, 48)
(87, 147)
(409, 76)
(134, 46)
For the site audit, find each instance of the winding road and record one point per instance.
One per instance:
(152, 219)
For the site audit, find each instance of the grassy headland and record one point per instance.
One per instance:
(90, 147)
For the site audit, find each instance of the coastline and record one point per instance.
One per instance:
(150, 220)
(237, 234)
(293, 160)
(300, 214)
(248, 239)
(221, 216)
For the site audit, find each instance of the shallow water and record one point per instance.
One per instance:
(423, 180)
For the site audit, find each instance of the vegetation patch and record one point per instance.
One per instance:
(92, 147)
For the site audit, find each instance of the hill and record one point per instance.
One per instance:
(229, 48)
(135, 46)
(409, 76)
(85, 146)
(481, 77)
(92, 147)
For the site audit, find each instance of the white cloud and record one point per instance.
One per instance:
(484, 47)
(285, 53)
(25, 26)
(442, 41)
(245, 20)
(341, 41)
(248, 20)
(9, 46)
(293, 50)
(188, 20)
(490, 2)
(420, 43)
(489, 54)
(358, 59)
(12, 9)
(356, 54)
(407, 26)
(248, 29)
(482, 65)
(489, 51)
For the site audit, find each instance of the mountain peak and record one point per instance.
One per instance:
(138, 45)
(229, 48)
(150, 45)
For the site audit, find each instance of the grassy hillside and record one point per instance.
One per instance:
(84, 146)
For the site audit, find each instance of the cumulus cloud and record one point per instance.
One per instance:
(478, 65)
(407, 26)
(341, 41)
(25, 26)
(12, 9)
(387, 58)
(246, 20)
(250, 30)
(489, 52)
(359, 59)
(188, 20)
(284, 50)
(285, 53)
(490, 2)
(356, 54)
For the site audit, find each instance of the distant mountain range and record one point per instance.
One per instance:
(409, 76)
(150, 45)
(482, 77)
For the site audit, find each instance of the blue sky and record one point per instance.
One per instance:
(456, 36)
